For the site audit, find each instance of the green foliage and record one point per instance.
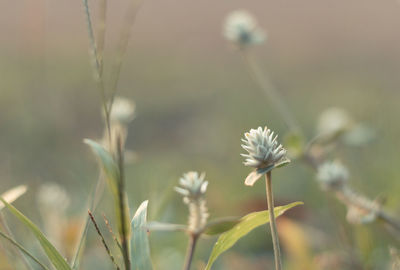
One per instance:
(54, 256)
(23, 250)
(221, 225)
(107, 163)
(246, 225)
(140, 248)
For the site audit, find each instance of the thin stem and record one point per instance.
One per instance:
(122, 46)
(101, 31)
(98, 66)
(122, 205)
(270, 91)
(102, 239)
(190, 251)
(5, 226)
(23, 250)
(272, 222)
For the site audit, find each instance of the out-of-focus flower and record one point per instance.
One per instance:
(53, 196)
(193, 188)
(359, 135)
(332, 175)
(264, 152)
(53, 202)
(357, 215)
(123, 111)
(334, 121)
(242, 29)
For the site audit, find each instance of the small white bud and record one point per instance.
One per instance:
(241, 28)
(332, 175)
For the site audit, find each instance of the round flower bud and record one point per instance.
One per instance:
(332, 175)
(241, 28)
(122, 111)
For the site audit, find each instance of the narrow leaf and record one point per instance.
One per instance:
(13, 194)
(221, 225)
(246, 225)
(54, 256)
(23, 250)
(107, 163)
(140, 248)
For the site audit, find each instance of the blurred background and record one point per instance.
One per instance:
(194, 100)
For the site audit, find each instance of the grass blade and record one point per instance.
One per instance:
(23, 250)
(140, 248)
(54, 256)
(246, 225)
(13, 194)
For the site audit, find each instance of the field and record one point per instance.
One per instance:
(195, 95)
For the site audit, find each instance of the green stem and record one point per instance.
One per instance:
(122, 205)
(270, 91)
(272, 222)
(190, 251)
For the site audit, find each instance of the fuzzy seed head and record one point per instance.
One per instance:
(262, 147)
(241, 28)
(193, 188)
(332, 175)
(123, 111)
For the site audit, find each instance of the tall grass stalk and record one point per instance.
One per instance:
(123, 205)
(122, 46)
(98, 67)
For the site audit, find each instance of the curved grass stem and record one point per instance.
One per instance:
(272, 222)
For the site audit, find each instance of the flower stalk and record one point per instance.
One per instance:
(190, 251)
(272, 221)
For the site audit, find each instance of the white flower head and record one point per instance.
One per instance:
(193, 188)
(241, 28)
(332, 175)
(264, 152)
(123, 111)
(333, 121)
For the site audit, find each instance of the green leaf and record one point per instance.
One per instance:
(54, 256)
(246, 225)
(140, 247)
(220, 225)
(107, 163)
